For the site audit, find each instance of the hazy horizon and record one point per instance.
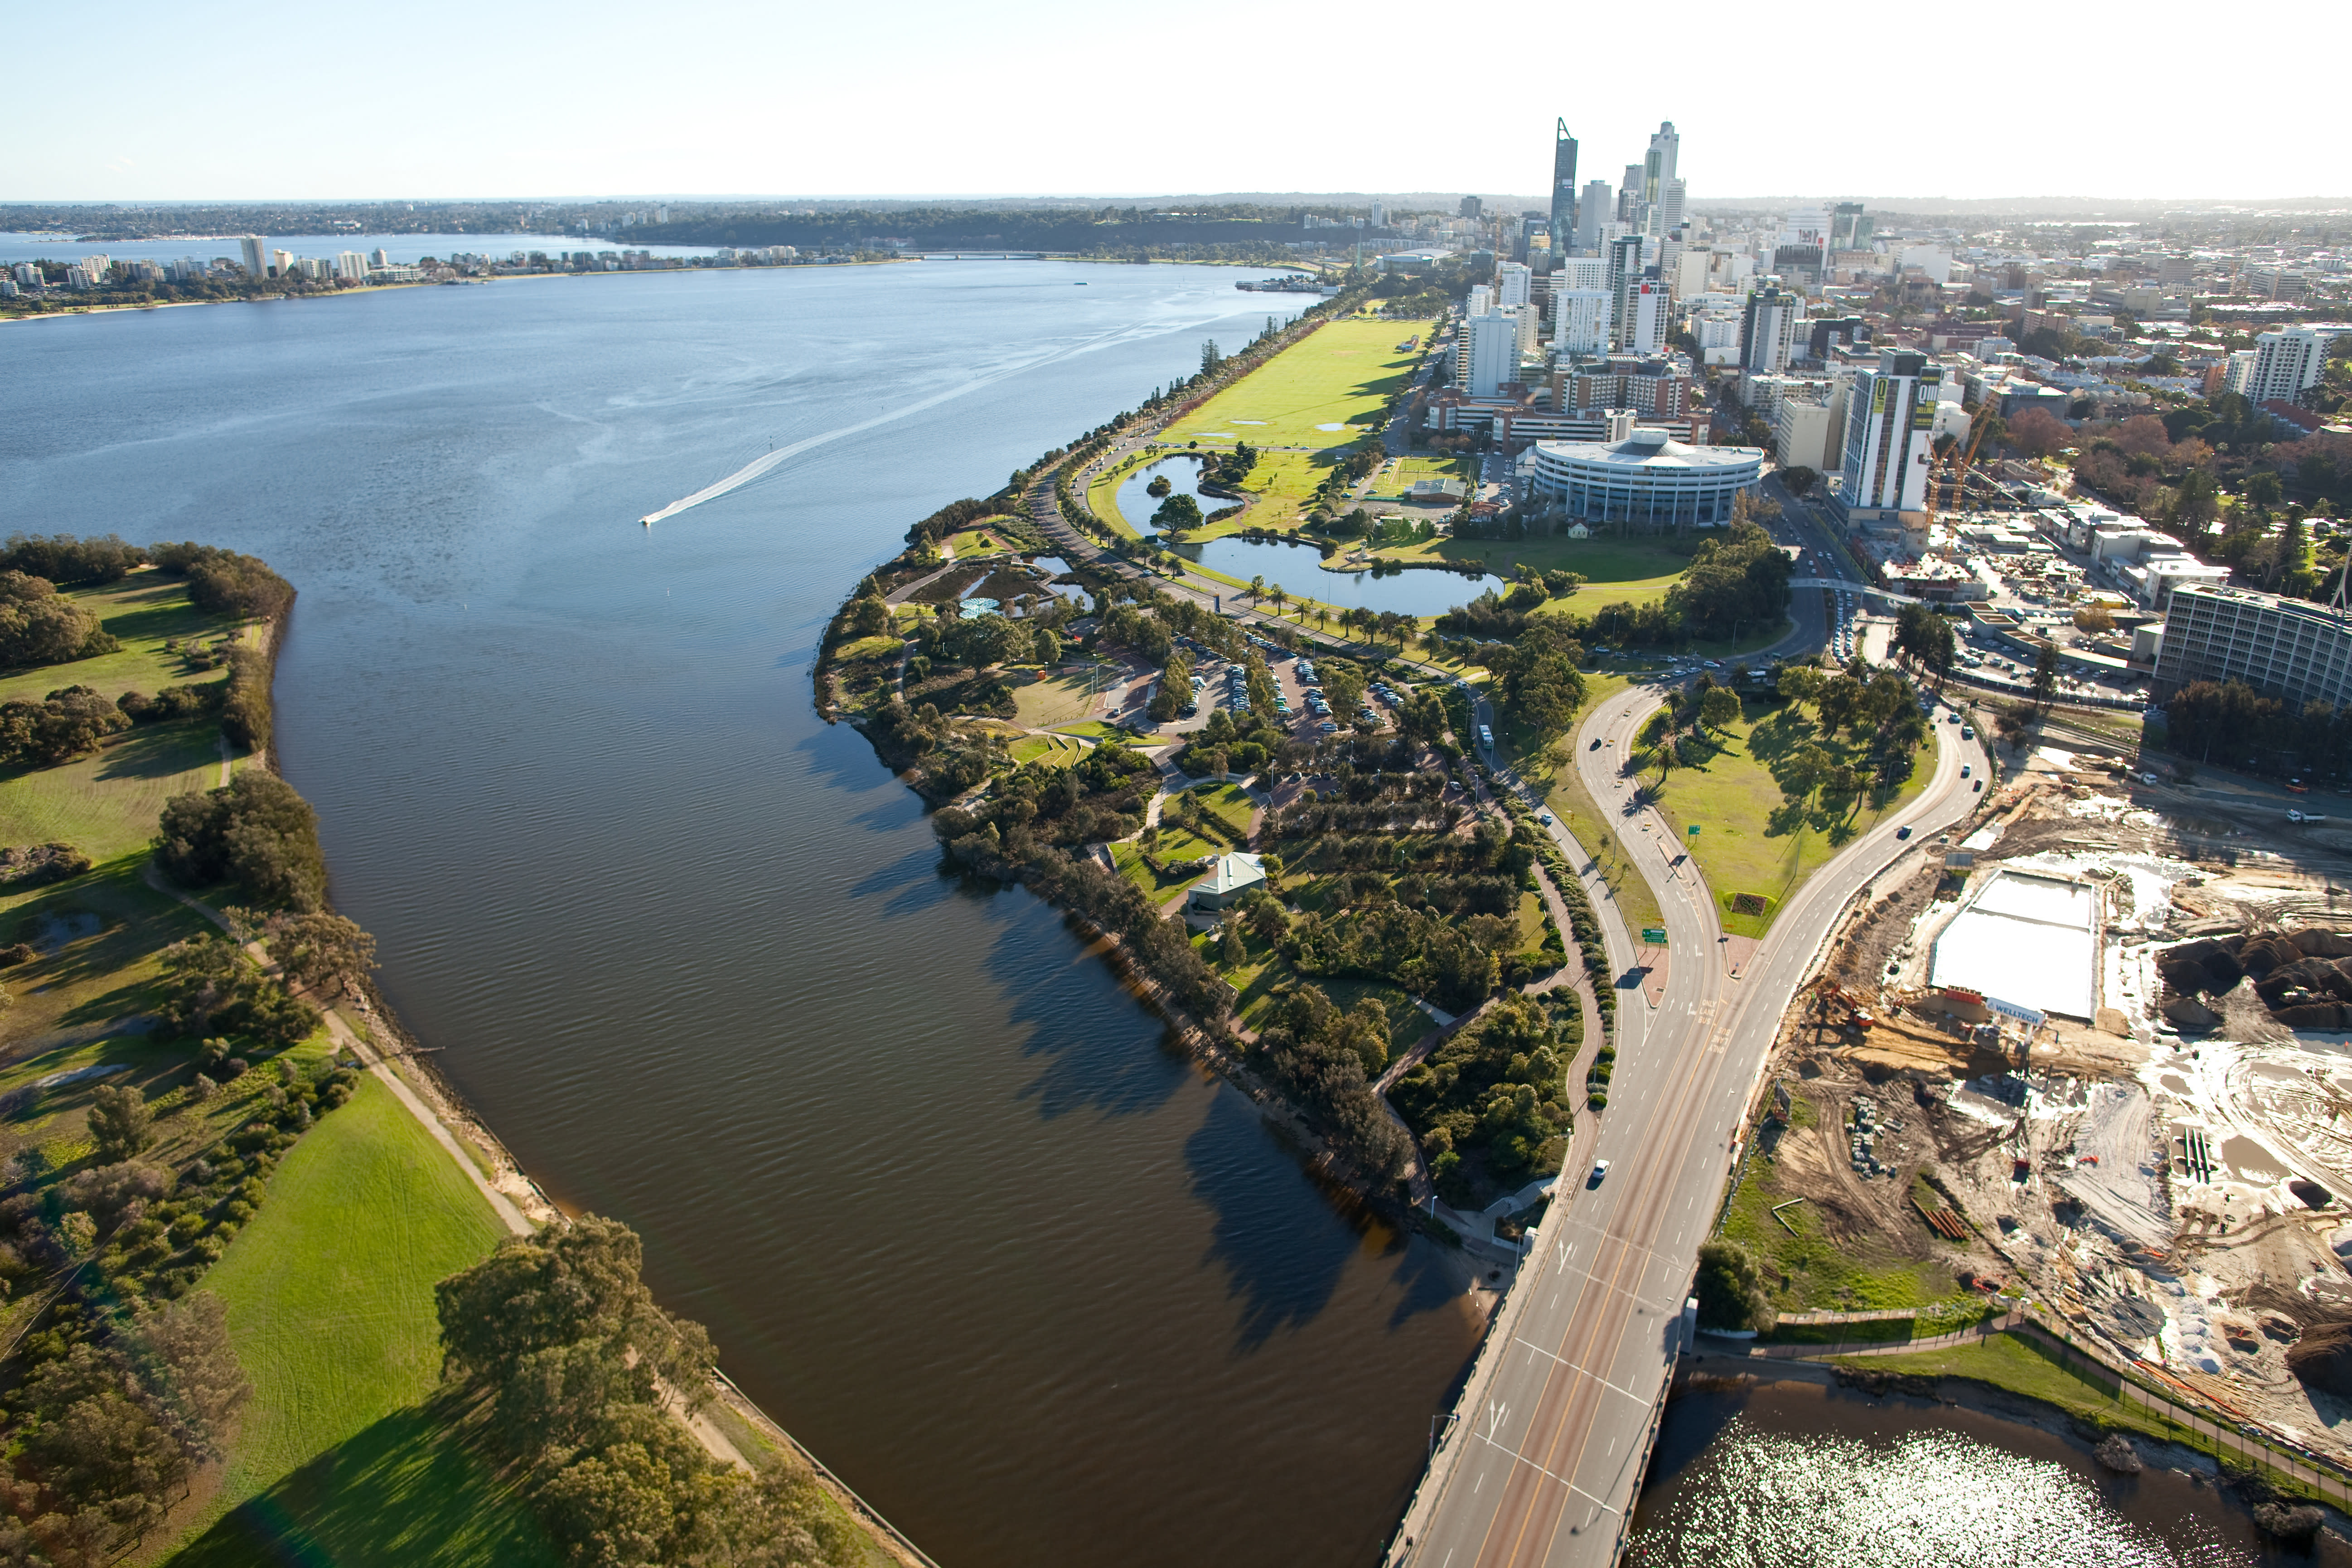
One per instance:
(1049, 95)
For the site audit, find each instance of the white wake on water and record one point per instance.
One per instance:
(767, 462)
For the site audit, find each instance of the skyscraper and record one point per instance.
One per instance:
(1890, 420)
(1563, 188)
(1592, 217)
(255, 263)
(1670, 206)
(1512, 286)
(1487, 354)
(1472, 206)
(1768, 328)
(1646, 332)
(2287, 363)
(1849, 229)
(1658, 165)
(1625, 282)
(1628, 196)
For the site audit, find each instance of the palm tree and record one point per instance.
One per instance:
(1257, 588)
(1279, 597)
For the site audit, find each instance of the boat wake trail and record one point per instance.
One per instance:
(766, 462)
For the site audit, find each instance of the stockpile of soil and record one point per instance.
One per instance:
(2321, 1358)
(2305, 980)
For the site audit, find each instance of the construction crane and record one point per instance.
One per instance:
(1980, 421)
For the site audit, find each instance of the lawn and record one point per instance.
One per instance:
(143, 610)
(1753, 839)
(1102, 496)
(1065, 697)
(1282, 486)
(1341, 375)
(1268, 976)
(2024, 1365)
(330, 1295)
(97, 939)
(107, 804)
(1230, 803)
(1053, 751)
(1175, 847)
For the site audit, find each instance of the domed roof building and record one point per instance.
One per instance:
(1645, 477)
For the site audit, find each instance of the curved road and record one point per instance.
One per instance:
(1553, 1430)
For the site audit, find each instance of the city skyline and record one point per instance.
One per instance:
(587, 100)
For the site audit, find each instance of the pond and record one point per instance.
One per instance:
(1137, 503)
(1298, 568)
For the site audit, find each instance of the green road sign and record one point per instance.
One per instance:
(1693, 830)
(1654, 935)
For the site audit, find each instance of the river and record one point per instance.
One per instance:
(951, 1211)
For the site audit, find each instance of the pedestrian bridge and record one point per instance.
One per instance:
(1856, 588)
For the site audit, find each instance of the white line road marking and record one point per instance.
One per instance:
(1538, 1470)
(1581, 1373)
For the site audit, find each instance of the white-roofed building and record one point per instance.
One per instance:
(1645, 476)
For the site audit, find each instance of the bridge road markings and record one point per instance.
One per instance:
(1643, 1209)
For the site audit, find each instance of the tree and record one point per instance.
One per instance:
(258, 833)
(1731, 1292)
(2095, 619)
(120, 1122)
(326, 954)
(2038, 433)
(2045, 674)
(181, 1351)
(1718, 709)
(1799, 481)
(1176, 514)
(1800, 683)
(1230, 951)
(1209, 358)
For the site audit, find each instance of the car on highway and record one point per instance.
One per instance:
(1596, 745)
(1904, 832)
(1965, 770)
(1976, 788)
(1967, 733)
(1599, 1172)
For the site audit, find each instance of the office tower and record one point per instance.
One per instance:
(1481, 301)
(1670, 206)
(1628, 196)
(1890, 420)
(2287, 364)
(1658, 165)
(1624, 277)
(1563, 188)
(1487, 355)
(1850, 229)
(1768, 328)
(1513, 286)
(250, 248)
(1593, 216)
(1472, 206)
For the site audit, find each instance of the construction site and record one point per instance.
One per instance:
(2092, 1047)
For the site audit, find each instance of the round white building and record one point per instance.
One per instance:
(1646, 478)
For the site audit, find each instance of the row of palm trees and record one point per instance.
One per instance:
(1375, 626)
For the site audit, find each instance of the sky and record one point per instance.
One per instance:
(426, 99)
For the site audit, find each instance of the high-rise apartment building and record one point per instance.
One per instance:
(1581, 318)
(1628, 195)
(2287, 363)
(1624, 277)
(1513, 286)
(255, 259)
(379, 257)
(1379, 212)
(1653, 309)
(350, 266)
(1563, 189)
(1890, 421)
(1487, 353)
(1768, 328)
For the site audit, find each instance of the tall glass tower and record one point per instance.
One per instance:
(1563, 191)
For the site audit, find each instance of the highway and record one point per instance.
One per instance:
(1553, 1431)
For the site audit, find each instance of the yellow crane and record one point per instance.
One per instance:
(1980, 421)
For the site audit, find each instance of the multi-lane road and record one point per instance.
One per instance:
(1544, 1459)
(1552, 1433)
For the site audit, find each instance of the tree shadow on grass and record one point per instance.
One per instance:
(414, 1487)
(158, 750)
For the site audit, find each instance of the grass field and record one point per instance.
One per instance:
(1341, 375)
(143, 610)
(1751, 838)
(99, 937)
(1064, 697)
(330, 1295)
(1053, 751)
(1628, 571)
(106, 804)
(1282, 486)
(1102, 496)
(1175, 846)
